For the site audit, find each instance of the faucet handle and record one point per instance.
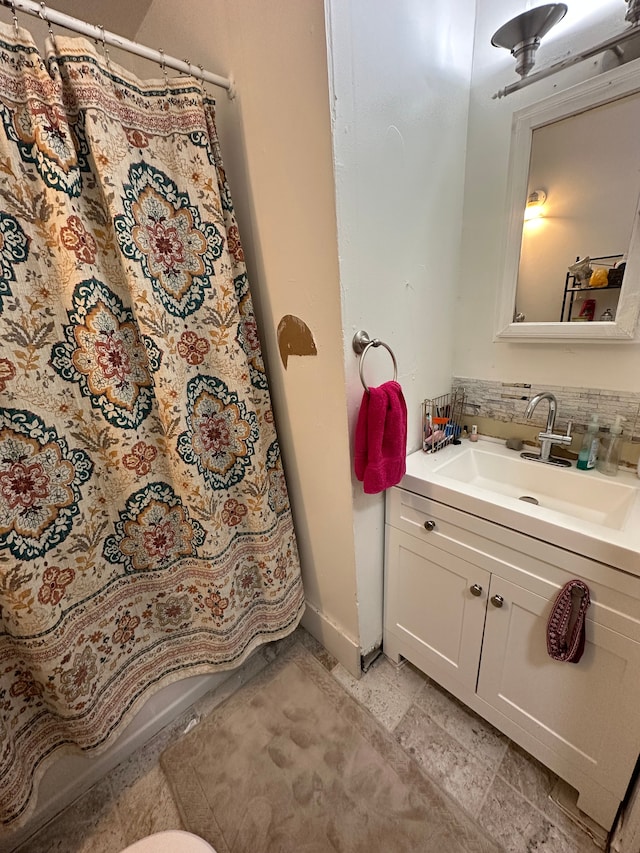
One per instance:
(569, 425)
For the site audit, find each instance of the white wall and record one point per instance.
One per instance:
(276, 141)
(400, 76)
(476, 354)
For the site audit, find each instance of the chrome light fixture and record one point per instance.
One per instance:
(521, 35)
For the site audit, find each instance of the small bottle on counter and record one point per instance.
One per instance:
(590, 444)
(609, 457)
(474, 433)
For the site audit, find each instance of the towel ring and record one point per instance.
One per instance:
(362, 343)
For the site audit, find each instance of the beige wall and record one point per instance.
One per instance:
(120, 16)
(398, 97)
(276, 141)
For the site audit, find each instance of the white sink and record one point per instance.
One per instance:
(582, 511)
(594, 498)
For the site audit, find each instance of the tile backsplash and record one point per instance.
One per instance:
(507, 401)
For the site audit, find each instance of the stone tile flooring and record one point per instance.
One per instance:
(501, 786)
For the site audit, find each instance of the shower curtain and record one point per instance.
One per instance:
(145, 528)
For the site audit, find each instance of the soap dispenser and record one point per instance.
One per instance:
(609, 458)
(590, 444)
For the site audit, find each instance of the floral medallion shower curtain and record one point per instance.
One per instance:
(145, 528)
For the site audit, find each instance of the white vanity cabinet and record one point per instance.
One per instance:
(467, 602)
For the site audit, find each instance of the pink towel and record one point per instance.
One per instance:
(381, 438)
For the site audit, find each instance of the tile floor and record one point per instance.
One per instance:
(504, 789)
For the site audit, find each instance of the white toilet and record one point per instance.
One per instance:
(172, 841)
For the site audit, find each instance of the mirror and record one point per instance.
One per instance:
(577, 153)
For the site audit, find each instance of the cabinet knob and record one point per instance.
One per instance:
(497, 600)
(476, 589)
(429, 525)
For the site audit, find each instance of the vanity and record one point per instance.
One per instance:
(471, 574)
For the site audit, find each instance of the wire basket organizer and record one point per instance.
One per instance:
(442, 420)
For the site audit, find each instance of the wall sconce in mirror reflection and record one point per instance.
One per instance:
(535, 205)
(521, 35)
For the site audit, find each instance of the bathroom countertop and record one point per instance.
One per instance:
(615, 544)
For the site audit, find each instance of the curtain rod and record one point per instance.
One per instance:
(99, 34)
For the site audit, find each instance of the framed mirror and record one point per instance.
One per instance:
(572, 266)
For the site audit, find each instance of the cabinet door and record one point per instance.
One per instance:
(431, 616)
(587, 713)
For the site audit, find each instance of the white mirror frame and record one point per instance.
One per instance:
(600, 90)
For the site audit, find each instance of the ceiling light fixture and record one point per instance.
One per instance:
(521, 35)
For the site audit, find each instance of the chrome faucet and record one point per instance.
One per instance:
(548, 437)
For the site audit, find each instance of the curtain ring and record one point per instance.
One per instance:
(45, 18)
(105, 49)
(202, 80)
(163, 65)
(15, 17)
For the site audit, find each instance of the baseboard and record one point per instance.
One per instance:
(565, 797)
(71, 775)
(343, 648)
